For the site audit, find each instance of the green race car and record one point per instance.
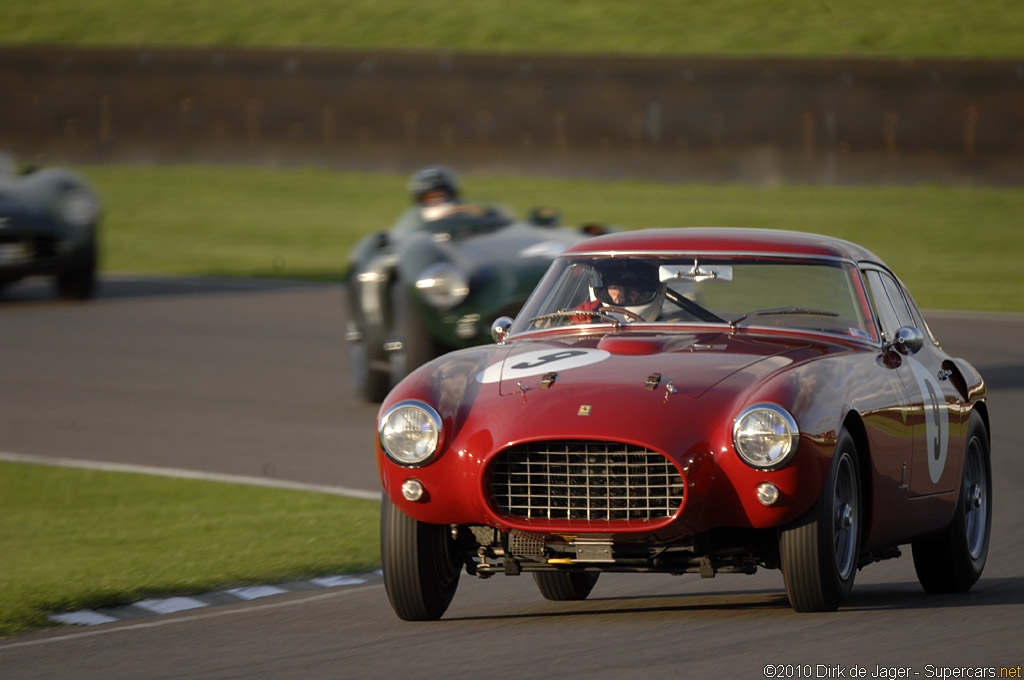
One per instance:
(48, 227)
(437, 279)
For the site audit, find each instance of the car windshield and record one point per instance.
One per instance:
(741, 291)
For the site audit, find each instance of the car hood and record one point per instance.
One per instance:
(691, 363)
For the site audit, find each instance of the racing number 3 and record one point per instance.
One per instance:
(541, 361)
(548, 358)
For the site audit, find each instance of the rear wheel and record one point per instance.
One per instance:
(565, 585)
(420, 564)
(952, 562)
(819, 552)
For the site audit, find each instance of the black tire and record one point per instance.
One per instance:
(820, 551)
(420, 565)
(952, 562)
(368, 382)
(417, 346)
(78, 281)
(565, 585)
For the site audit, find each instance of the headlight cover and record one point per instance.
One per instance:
(410, 433)
(765, 435)
(442, 285)
(78, 208)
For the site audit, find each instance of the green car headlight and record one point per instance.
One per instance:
(78, 208)
(765, 435)
(410, 433)
(443, 286)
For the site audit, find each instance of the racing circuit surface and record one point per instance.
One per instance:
(250, 378)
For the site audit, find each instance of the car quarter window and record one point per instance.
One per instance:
(916, 318)
(899, 302)
(906, 309)
(883, 303)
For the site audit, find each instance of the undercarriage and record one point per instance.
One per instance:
(486, 551)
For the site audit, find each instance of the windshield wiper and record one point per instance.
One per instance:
(783, 310)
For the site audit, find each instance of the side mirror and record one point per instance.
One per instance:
(500, 328)
(908, 340)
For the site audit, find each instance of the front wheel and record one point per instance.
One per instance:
(415, 346)
(565, 585)
(952, 562)
(78, 281)
(819, 551)
(369, 382)
(420, 565)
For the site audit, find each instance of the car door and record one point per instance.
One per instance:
(934, 416)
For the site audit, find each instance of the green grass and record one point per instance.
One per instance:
(946, 28)
(76, 539)
(955, 247)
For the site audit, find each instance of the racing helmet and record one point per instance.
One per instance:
(434, 183)
(631, 284)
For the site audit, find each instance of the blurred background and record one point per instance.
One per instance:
(291, 129)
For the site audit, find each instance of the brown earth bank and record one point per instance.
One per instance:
(829, 121)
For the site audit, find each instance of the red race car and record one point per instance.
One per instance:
(690, 400)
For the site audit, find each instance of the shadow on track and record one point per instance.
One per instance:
(873, 597)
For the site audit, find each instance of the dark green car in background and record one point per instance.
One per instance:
(49, 220)
(435, 283)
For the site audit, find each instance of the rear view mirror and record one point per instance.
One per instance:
(695, 272)
(908, 340)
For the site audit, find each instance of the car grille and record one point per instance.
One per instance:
(585, 481)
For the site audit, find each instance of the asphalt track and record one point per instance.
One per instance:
(250, 378)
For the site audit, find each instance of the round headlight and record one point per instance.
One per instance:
(78, 208)
(765, 435)
(443, 286)
(410, 433)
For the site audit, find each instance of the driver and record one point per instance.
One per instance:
(435, 191)
(629, 284)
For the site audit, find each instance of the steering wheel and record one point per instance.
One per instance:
(622, 310)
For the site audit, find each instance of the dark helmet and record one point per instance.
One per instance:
(434, 178)
(638, 276)
(545, 217)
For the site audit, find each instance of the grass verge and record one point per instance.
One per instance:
(75, 539)
(955, 247)
(947, 28)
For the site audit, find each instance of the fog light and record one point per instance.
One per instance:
(767, 493)
(412, 490)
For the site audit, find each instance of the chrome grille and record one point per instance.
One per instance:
(586, 481)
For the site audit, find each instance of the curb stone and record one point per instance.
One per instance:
(158, 606)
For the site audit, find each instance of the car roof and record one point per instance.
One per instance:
(725, 240)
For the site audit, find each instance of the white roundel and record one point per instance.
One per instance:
(936, 419)
(539, 362)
